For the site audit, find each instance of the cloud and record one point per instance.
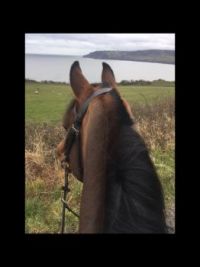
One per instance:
(81, 44)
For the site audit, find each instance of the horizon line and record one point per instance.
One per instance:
(96, 51)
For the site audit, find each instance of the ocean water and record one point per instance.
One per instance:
(56, 68)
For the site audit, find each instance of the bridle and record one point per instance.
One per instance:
(70, 139)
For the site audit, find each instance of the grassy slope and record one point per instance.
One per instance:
(44, 177)
(48, 106)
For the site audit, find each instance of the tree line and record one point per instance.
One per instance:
(158, 82)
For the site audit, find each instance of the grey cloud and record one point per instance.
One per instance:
(80, 44)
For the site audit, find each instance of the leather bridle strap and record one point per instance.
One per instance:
(75, 128)
(84, 107)
(70, 139)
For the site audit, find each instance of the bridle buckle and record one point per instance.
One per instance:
(75, 129)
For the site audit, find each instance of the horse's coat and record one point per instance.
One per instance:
(121, 190)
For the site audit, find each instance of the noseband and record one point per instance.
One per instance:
(69, 141)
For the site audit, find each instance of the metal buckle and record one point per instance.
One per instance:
(75, 130)
(65, 165)
(65, 188)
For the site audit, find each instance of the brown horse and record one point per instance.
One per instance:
(121, 190)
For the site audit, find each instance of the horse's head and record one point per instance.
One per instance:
(101, 145)
(82, 89)
(94, 151)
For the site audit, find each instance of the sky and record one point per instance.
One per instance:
(82, 44)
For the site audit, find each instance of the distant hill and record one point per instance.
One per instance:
(157, 56)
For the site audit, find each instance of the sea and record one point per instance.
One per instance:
(56, 68)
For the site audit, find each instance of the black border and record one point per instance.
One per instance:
(18, 185)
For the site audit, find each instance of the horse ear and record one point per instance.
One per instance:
(78, 82)
(107, 75)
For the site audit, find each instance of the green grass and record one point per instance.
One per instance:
(43, 181)
(165, 166)
(43, 207)
(49, 105)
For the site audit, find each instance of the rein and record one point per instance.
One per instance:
(72, 134)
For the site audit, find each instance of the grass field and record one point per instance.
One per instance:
(49, 105)
(154, 114)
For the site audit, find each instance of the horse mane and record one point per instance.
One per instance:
(131, 166)
(123, 115)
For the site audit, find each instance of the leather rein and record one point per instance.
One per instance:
(72, 134)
